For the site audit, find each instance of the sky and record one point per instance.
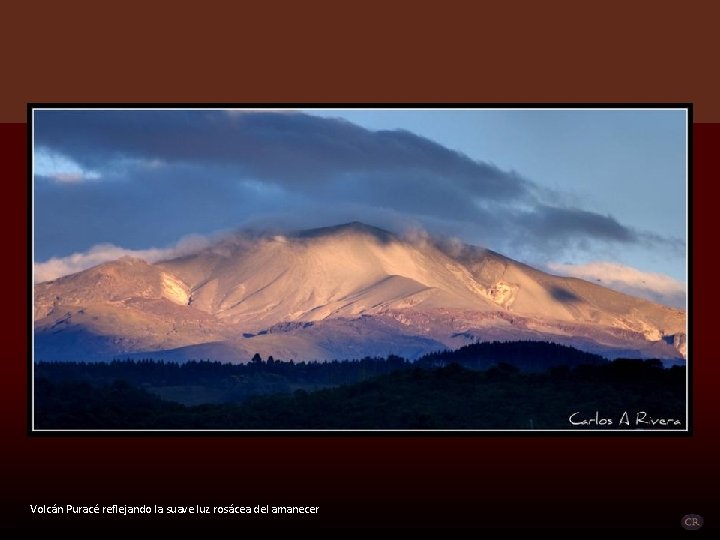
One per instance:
(599, 194)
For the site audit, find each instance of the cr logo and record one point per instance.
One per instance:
(691, 522)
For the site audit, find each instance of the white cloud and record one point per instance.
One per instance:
(69, 177)
(62, 266)
(650, 285)
(60, 168)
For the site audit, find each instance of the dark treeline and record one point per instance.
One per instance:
(524, 355)
(533, 356)
(496, 385)
(205, 371)
(220, 382)
(199, 382)
(450, 397)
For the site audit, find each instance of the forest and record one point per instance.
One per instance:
(480, 386)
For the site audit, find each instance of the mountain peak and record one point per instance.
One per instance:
(352, 227)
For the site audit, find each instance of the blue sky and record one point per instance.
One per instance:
(577, 192)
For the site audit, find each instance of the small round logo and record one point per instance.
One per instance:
(691, 522)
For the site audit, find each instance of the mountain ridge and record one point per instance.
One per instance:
(362, 289)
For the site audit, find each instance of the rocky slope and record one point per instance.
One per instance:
(338, 292)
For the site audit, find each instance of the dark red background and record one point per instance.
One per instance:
(455, 51)
(479, 482)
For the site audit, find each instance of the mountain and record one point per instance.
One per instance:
(339, 292)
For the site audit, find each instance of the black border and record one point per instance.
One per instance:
(689, 432)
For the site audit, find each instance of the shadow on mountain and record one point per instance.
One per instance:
(561, 294)
(62, 344)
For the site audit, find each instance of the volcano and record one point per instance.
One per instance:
(339, 292)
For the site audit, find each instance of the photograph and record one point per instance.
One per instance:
(375, 269)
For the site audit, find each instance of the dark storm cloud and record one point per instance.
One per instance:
(164, 174)
(291, 149)
(572, 222)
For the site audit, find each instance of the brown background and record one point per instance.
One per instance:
(552, 51)
(323, 53)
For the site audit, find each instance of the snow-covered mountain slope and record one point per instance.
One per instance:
(337, 292)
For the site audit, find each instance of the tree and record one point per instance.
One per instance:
(256, 360)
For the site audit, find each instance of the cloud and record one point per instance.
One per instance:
(68, 177)
(59, 167)
(165, 174)
(561, 222)
(61, 266)
(652, 286)
(291, 149)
